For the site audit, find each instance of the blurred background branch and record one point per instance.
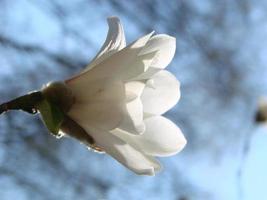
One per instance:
(221, 63)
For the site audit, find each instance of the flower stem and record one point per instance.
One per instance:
(26, 103)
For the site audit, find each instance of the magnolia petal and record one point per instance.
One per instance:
(130, 96)
(165, 47)
(161, 138)
(147, 74)
(122, 65)
(115, 41)
(133, 121)
(84, 90)
(155, 163)
(164, 94)
(103, 108)
(141, 42)
(135, 87)
(123, 152)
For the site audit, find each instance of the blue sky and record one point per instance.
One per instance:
(209, 174)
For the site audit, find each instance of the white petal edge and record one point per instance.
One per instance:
(135, 87)
(133, 121)
(124, 153)
(164, 94)
(123, 65)
(161, 138)
(165, 47)
(114, 42)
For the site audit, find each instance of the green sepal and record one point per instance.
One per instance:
(51, 115)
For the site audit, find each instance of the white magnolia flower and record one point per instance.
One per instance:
(119, 98)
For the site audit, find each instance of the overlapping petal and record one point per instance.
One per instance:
(123, 152)
(133, 120)
(162, 95)
(102, 106)
(165, 47)
(161, 137)
(123, 65)
(115, 41)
